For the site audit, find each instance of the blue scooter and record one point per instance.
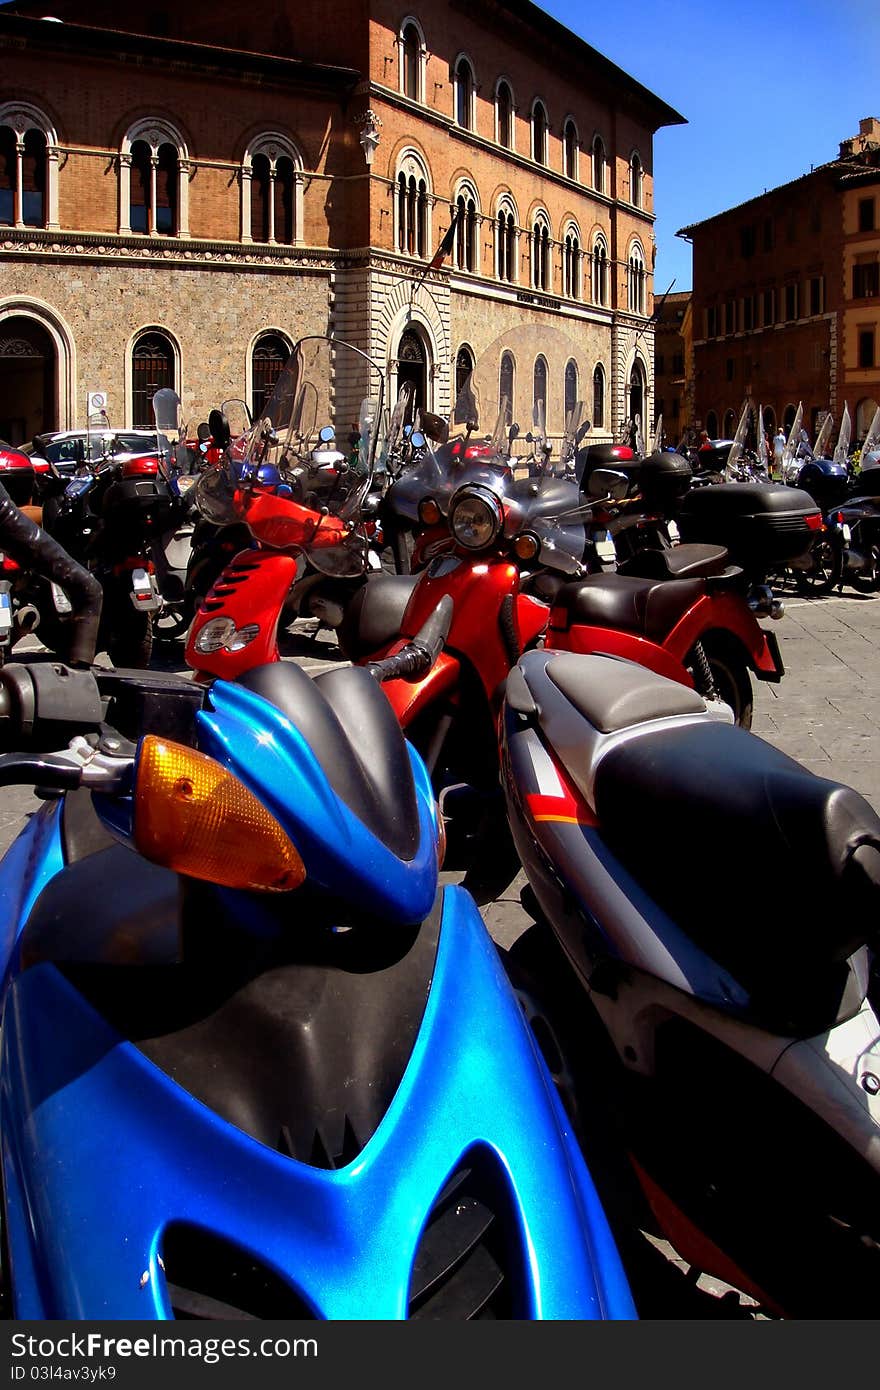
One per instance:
(254, 1063)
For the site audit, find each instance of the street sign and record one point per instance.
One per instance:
(97, 402)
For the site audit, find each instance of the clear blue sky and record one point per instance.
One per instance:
(768, 88)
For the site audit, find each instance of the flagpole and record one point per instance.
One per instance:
(440, 255)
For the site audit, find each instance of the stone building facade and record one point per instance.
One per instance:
(178, 208)
(786, 298)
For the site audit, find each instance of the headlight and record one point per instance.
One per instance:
(475, 518)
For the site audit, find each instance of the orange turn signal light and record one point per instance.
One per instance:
(526, 547)
(197, 818)
(429, 512)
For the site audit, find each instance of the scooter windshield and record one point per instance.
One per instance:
(523, 374)
(300, 476)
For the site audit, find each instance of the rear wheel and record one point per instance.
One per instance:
(125, 635)
(826, 567)
(730, 675)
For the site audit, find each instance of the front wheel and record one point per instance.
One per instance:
(730, 675)
(826, 567)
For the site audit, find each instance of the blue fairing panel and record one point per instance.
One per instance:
(102, 1150)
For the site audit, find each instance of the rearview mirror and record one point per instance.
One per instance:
(435, 427)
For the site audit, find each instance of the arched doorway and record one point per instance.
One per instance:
(152, 365)
(412, 366)
(637, 394)
(267, 362)
(28, 380)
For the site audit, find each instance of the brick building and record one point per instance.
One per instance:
(179, 207)
(671, 395)
(786, 298)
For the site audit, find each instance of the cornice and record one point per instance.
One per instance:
(38, 244)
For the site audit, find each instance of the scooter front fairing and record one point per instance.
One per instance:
(216, 1101)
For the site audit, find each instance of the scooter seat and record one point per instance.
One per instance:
(648, 607)
(689, 561)
(771, 870)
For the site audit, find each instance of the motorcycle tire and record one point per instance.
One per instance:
(173, 621)
(730, 674)
(869, 580)
(826, 567)
(126, 636)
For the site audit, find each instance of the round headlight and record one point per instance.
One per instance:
(475, 518)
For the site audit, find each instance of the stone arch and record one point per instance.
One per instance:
(47, 318)
(401, 310)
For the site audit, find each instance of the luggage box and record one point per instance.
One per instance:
(763, 525)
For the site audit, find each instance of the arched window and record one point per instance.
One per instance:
(271, 184)
(636, 280)
(730, 424)
(152, 368)
(571, 264)
(635, 179)
(506, 382)
(539, 385)
(570, 149)
(571, 388)
(541, 274)
(712, 425)
(464, 94)
(600, 271)
(599, 164)
(154, 180)
(269, 355)
(28, 168)
(467, 240)
(599, 397)
(412, 207)
(539, 133)
(412, 54)
(464, 365)
(505, 243)
(166, 190)
(504, 115)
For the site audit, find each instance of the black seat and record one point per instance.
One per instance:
(689, 561)
(351, 729)
(773, 871)
(373, 617)
(648, 607)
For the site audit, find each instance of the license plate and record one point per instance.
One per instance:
(674, 533)
(606, 552)
(5, 612)
(847, 534)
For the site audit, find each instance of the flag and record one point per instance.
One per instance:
(447, 243)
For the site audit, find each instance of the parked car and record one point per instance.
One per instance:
(61, 451)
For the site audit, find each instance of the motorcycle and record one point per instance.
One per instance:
(261, 1015)
(278, 455)
(28, 599)
(170, 549)
(728, 1028)
(112, 516)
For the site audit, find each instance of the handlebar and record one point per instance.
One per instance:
(418, 656)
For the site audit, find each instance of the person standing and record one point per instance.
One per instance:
(778, 451)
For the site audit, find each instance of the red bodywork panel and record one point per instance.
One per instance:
(724, 612)
(251, 591)
(281, 522)
(144, 466)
